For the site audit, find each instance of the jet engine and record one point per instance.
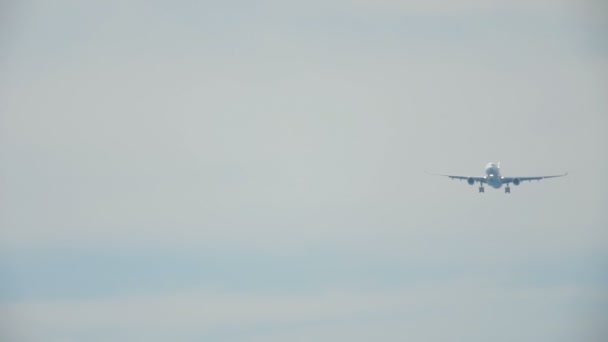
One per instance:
(471, 181)
(516, 181)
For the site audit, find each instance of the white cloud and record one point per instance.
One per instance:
(266, 156)
(435, 7)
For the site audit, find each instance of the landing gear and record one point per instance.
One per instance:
(507, 190)
(481, 189)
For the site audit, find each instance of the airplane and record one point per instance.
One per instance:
(494, 179)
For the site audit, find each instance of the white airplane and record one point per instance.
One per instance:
(494, 179)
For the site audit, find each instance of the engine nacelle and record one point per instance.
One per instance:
(516, 181)
(471, 181)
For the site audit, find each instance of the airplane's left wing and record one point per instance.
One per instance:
(529, 179)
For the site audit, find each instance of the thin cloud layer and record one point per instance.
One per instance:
(469, 310)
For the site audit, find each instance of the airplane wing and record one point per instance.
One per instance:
(529, 179)
(475, 179)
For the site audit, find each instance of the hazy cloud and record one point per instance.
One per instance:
(259, 144)
(468, 310)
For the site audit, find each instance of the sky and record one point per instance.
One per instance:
(255, 170)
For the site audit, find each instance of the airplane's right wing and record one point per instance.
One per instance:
(471, 180)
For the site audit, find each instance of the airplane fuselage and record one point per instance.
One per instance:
(493, 177)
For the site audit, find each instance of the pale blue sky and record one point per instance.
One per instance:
(254, 171)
